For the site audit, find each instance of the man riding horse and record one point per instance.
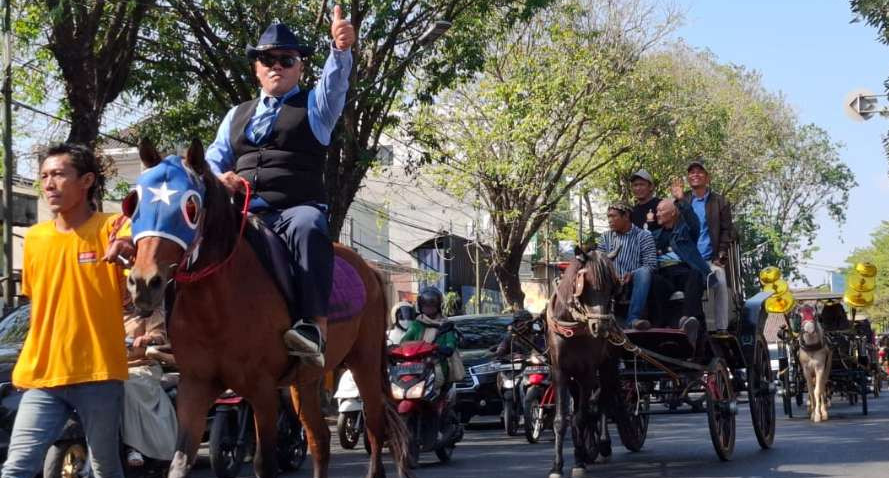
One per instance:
(278, 143)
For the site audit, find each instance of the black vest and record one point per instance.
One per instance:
(287, 169)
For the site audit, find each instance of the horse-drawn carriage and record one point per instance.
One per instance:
(656, 371)
(664, 373)
(854, 369)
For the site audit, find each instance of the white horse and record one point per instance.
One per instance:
(814, 357)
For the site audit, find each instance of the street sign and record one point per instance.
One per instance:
(862, 104)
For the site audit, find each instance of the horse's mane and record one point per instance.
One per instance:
(599, 275)
(222, 223)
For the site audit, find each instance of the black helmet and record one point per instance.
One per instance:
(430, 296)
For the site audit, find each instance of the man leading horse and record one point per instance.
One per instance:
(278, 143)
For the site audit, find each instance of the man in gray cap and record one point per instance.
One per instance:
(645, 207)
(278, 142)
(717, 230)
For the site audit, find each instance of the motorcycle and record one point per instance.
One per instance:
(539, 397)
(233, 437)
(509, 384)
(427, 412)
(9, 405)
(350, 422)
(68, 457)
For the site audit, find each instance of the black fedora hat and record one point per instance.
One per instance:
(278, 37)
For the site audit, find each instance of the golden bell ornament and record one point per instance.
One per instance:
(780, 303)
(866, 269)
(861, 283)
(857, 299)
(769, 274)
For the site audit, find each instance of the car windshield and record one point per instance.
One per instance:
(483, 332)
(14, 327)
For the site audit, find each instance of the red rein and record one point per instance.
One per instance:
(190, 277)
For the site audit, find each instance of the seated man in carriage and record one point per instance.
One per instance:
(680, 266)
(631, 249)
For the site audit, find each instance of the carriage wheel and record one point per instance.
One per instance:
(721, 408)
(787, 391)
(633, 428)
(761, 395)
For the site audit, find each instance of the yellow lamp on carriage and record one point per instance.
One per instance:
(858, 299)
(780, 303)
(777, 287)
(866, 269)
(769, 274)
(861, 283)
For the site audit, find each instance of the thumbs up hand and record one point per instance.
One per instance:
(341, 30)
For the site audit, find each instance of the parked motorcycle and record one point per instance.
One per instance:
(539, 397)
(233, 436)
(427, 412)
(350, 422)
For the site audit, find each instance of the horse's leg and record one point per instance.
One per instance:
(560, 422)
(610, 403)
(192, 403)
(582, 419)
(821, 390)
(264, 399)
(307, 400)
(368, 376)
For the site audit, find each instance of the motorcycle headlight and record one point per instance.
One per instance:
(508, 383)
(397, 392)
(416, 391)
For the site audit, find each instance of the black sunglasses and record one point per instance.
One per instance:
(286, 61)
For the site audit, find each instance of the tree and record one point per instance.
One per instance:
(778, 175)
(877, 253)
(93, 43)
(558, 100)
(193, 67)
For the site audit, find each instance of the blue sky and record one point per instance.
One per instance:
(808, 50)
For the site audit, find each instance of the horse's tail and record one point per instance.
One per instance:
(396, 431)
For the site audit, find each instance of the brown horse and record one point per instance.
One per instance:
(226, 327)
(578, 321)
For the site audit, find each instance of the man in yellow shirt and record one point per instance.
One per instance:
(74, 357)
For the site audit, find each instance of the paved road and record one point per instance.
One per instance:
(849, 445)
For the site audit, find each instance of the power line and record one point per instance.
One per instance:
(57, 118)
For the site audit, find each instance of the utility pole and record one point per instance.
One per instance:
(579, 220)
(546, 256)
(478, 266)
(8, 163)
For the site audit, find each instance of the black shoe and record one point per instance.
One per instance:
(304, 340)
(641, 324)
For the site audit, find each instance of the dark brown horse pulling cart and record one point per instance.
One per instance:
(657, 371)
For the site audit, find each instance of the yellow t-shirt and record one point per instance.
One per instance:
(76, 333)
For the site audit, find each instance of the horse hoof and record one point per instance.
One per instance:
(578, 472)
(603, 459)
(554, 475)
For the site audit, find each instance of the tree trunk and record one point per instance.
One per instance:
(507, 274)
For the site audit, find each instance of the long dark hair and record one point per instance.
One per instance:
(84, 161)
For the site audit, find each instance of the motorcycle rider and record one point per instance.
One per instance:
(403, 315)
(521, 320)
(148, 426)
(426, 328)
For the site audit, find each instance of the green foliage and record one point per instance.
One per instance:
(877, 253)
(875, 13)
(560, 98)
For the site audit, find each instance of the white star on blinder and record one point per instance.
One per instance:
(162, 193)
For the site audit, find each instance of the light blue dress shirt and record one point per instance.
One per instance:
(699, 206)
(325, 104)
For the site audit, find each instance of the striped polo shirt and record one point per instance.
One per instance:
(635, 249)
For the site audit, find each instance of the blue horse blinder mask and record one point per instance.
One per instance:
(167, 202)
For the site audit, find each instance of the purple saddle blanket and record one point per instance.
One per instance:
(347, 296)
